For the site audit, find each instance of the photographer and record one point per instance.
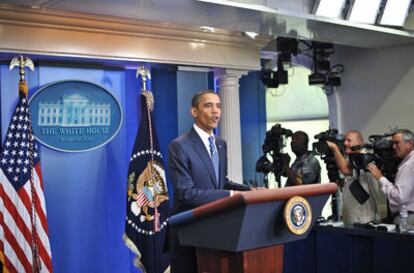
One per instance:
(402, 191)
(362, 200)
(305, 169)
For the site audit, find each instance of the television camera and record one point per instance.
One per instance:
(322, 149)
(273, 146)
(380, 151)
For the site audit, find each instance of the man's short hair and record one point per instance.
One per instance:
(196, 98)
(406, 134)
(357, 133)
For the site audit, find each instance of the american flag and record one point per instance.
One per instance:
(24, 241)
(142, 199)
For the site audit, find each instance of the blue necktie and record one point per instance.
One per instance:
(214, 157)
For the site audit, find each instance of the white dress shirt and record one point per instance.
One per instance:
(402, 191)
(204, 137)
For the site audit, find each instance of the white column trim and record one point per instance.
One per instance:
(227, 81)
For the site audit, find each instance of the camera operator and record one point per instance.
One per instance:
(361, 201)
(305, 169)
(402, 191)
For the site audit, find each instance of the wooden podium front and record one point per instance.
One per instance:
(266, 259)
(245, 233)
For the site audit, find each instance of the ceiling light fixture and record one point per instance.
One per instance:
(251, 34)
(207, 29)
(364, 11)
(395, 12)
(329, 8)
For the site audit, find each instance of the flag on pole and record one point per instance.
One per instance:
(147, 197)
(24, 241)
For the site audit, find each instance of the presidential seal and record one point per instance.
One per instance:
(150, 191)
(298, 215)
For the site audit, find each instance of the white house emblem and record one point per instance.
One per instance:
(74, 116)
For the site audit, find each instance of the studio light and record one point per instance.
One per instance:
(323, 73)
(316, 78)
(272, 79)
(329, 8)
(287, 45)
(269, 78)
(285, 58)
(333, 80)
(323, 64)
(282, 75)
(395, 12)
(325, 49)
(364, 11)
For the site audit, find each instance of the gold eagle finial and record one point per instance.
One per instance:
(145, 74)
(21, 62)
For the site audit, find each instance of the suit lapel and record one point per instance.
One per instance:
(204, 155)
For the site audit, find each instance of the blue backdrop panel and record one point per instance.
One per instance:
(253, 123)
(85, 192)
(164, 87)
(188, 84)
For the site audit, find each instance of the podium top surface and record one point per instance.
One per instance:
(251, 197)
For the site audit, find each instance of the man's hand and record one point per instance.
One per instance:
(285, 160)
(333, 146)
(376, 173)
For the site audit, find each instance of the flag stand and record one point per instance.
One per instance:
(22, 206)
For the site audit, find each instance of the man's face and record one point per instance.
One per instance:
(351, 140)
(207, 113)
(298, 144)
(401, 147)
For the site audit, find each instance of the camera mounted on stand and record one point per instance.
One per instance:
(273, 145)
(322, 149)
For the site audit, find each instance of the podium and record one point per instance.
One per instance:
(245, 233)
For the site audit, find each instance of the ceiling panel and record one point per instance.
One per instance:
(236, 16)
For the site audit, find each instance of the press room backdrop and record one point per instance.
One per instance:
(86, 191)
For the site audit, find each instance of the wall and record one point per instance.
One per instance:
(85, 192)
(377, 89)
(253, 124)
(188, 84)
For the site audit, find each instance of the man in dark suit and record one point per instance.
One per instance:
(198, 168)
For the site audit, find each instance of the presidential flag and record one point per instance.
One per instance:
(24, 241)
(147, 198)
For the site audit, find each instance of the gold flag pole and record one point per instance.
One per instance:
(23, 62)
(146, 75)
